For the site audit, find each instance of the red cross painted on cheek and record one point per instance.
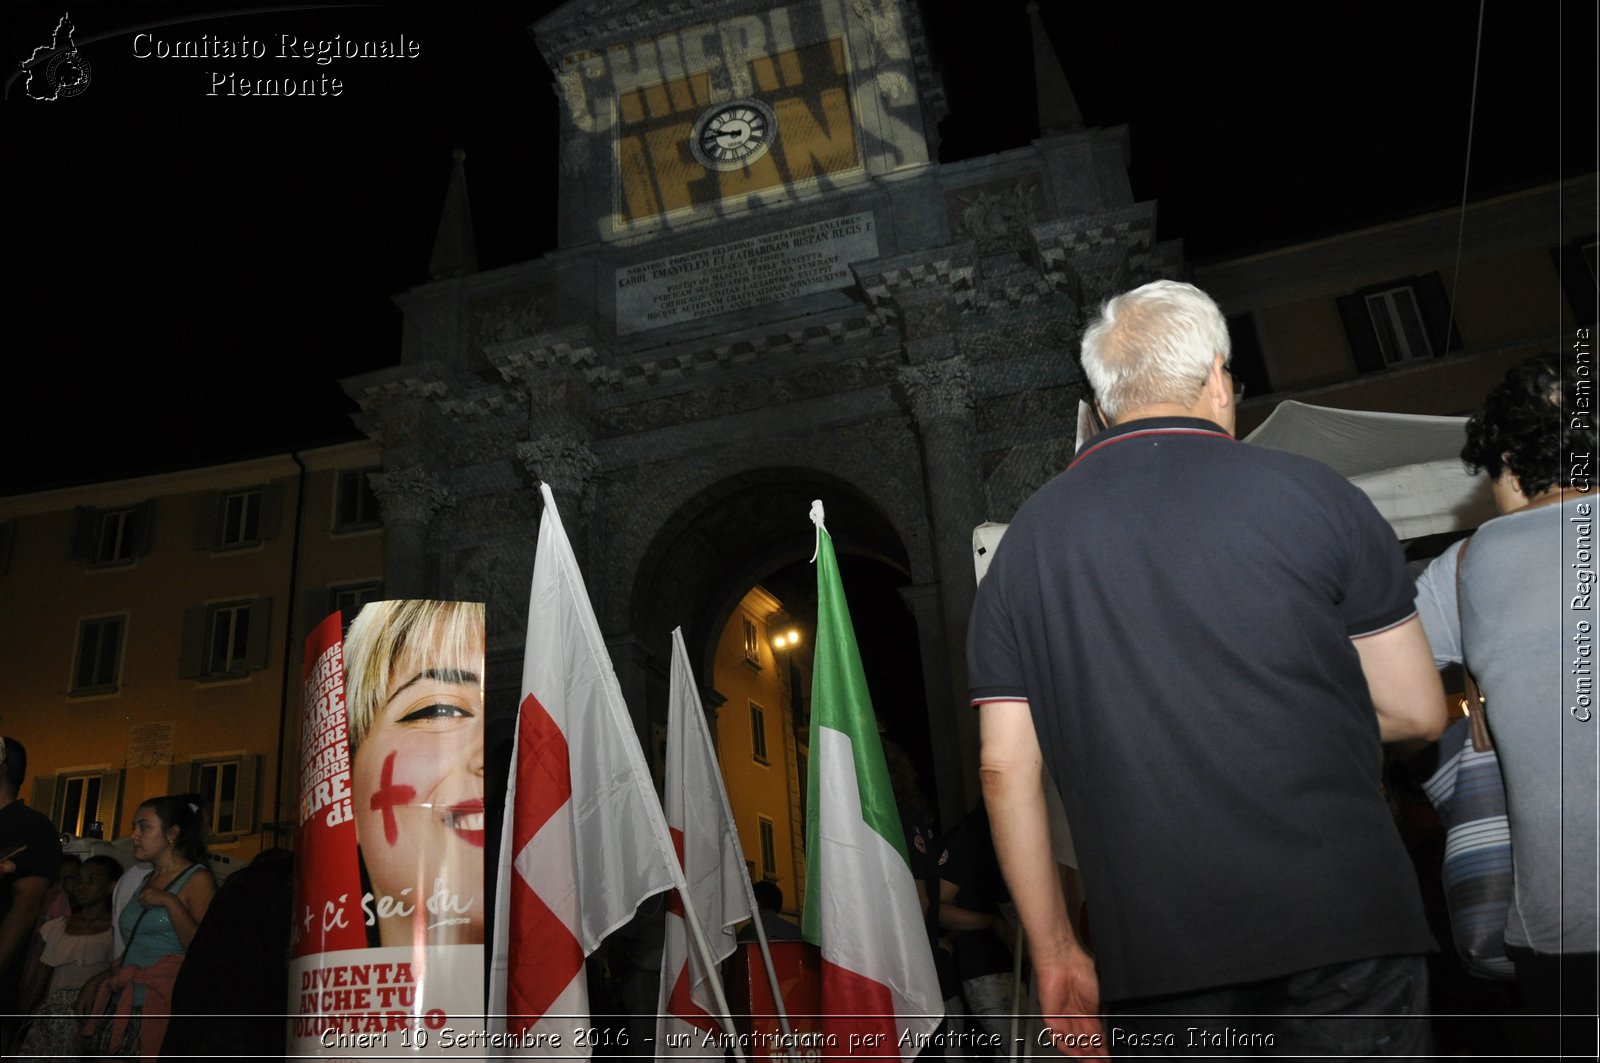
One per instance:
(388, 797)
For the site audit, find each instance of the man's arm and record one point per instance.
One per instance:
(27, 901)
(1404, 685)
(1012, 771)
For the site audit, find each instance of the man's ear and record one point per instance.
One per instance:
(1218, 387)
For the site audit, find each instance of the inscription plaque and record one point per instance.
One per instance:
(804, 260)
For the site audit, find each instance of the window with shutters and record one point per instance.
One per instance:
(240, 518)
(80, 796)
(758, 732)
(114, 543)
(348, 598)
(106, 538)
(227, 788)
(1399, 322)
(355, 506)
(97, 665)
(769, 847)
(226, 639)
(218, 786)
(78, 799)
(752, 643)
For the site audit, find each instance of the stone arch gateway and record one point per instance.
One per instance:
(827, 312)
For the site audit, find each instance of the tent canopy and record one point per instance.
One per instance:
(1408, 464)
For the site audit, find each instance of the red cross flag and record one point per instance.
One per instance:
(584, 840)
(691, 1002)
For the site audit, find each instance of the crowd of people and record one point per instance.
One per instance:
(97, 954)
(1203, 648)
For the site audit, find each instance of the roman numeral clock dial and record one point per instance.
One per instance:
(733, 135)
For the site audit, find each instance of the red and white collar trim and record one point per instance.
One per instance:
(1185, 427)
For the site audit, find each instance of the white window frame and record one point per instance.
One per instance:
(1387, 310)
(767, 832)
(237, 638)
(237, 511)
(114, 538)
(758, 733)
(359, 592)
(217, 794)
(357, 481)
(87, 808)
(752, 642)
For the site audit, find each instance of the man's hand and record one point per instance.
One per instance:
(1069, 998)
(1012, 770)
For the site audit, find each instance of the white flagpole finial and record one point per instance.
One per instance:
(817, 518)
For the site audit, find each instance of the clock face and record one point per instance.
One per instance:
(733, 135)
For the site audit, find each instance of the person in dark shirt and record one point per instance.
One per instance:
(30, 858)
(1205, 643)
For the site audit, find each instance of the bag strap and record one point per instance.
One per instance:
(1475, 704)
(134, 933)
(173, 887)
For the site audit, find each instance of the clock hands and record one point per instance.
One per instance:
(732, 135)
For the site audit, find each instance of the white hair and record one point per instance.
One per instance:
(1153, 345)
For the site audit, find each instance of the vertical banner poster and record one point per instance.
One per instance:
(387, 954)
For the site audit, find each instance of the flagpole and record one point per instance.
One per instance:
(744, 873)
(772, 972)
(724, 1013)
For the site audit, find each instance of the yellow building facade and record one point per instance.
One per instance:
(758, 661)
(152, 630)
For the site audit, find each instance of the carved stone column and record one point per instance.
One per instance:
(565, 462)
(940, 394)
(923, 601)
(410, 497)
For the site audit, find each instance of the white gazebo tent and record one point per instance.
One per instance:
(1408, 464)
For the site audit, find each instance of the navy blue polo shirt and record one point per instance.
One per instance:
(1177, 608)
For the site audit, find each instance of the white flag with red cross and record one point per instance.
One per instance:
(584, 840)
(713, 868)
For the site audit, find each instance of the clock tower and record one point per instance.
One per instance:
(675, 114)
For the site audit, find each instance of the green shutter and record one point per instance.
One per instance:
(110, 801)
(1433, 302)
(85, 531)
(1358, 330)
(244, 794)
(144, 528)
(271, 512)
(205, 522)
(192, 654)
(44, 797)
(259, 640)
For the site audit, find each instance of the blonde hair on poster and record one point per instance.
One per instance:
(405, 637)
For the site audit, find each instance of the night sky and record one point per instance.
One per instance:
(191, 275)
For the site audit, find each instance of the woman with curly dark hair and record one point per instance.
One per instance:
(1520, 619)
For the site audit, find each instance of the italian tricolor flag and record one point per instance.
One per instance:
(880, 994)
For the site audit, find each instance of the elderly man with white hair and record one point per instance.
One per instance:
(1205, 642)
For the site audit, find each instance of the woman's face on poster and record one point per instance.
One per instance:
(418, 778)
